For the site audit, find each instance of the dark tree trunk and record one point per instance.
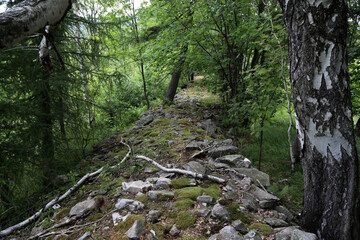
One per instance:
(317, 32)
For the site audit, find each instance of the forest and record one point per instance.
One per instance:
(67, 87)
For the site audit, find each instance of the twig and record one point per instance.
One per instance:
(176, 170)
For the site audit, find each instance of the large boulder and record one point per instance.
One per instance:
(220, 213)
(195, 167)
(136, 230)
(234, 161)
(227, 232)
(222, 151)
(255, 175)
(129, 204)
(82, 208)
(266, 200)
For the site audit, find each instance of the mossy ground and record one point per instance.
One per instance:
(263, 228)
(184, 220)
(184, 204)
(180, 182)
(188, 192)
(126, 225)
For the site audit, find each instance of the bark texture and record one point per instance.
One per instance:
(29, 17)
(317, 31)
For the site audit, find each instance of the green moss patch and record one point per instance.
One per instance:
(236, 214)
(126, 225)
(62, 213)
(159, 229)
(180, 183)
(263, 228)
(95, 217)
(184, 220)
(142, 198)
(189, 192)
(164, 197)
(184, 204)
(213, 190)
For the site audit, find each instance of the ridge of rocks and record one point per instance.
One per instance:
(137, 201)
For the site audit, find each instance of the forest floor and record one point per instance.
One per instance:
(137, 200)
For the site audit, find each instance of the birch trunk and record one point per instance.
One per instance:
(317, 32)
(29, 17)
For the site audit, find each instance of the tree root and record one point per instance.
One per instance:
(181, 171)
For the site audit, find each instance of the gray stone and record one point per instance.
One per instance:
(206, 199)
(82, 207)
(284, 210)
(170, 142)
(220, 212)
(252, 235)
(209, 126)
(202, 212)
(166, 175)
(279, 215)
(239, 226)
(129, 204)
(145, 120)
(235, 160)
(134, 233)
(231, 195)
(228, 233)
(301, 235)
(174, 231)
(194, 145)
(284, 233)
(255, 174)
(118, 192)
(195, 167)
(245, 183)
(98, 192)
(136, 186)
(231, 186)
(222, 151)
(153, 195)
(266, 200)
(250, 201)
(85, 236)
(275, 222)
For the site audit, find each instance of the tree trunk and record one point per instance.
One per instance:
(317, 32)
(29, 17)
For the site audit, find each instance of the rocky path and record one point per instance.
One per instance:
(138, 201)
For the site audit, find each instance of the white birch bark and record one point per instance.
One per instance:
(28, 17)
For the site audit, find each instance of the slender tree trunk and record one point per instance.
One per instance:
(29, 17)
(317, 32)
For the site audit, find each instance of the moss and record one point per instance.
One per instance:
(164, 197)
(119, 236)
(62, 237)
(236, 214)
(127, 224)
(91, 187)
(184, 220)
(184, 204)
(119, 181)
(100, 156)
(62, 213)
(263, 228)
(180, 183)
(46, 223)
(213, 190)
(95, 217)
(142, 198)
(159, 230)
(188, 192)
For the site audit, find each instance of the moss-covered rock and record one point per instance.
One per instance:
(236, 214)
(180, 183)
(189, 192)
(184, 204)
(126, 225)
(263, 228)
(119, 236)
(213, 190)
(142, 198)
(184, 220)
(95, 217)
(62, 213)
(164, 197)
(159, 230)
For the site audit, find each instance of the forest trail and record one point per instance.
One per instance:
(136, 200)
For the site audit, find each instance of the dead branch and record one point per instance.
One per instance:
(34, 217)
(181, 171)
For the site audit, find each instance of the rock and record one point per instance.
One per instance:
(220, 212)
(82, 207)
(174, 231)
(235, 160)
(97, 192)
(150, 169)
(250, 202)
(208, 125)
(118, 192)
(166, 175)
(195, 167)
(255, 174)
(129, 204)
(160, 195)
(160, 183)
(231, 186)
(116, 217)
(206, 199)
(135, 232)
(85, 236)
(36, 230)
(202, 212)
(239, 226)
(232, 196)
(275, 222)
(293, 233)
(284, 210)
(222, 151)
(194, 145)
(136, 186)
(228, 233)
(252, 235)
(170, 142)
(266, 200)
(145, 120)
(154, 215)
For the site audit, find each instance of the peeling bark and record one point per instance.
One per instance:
(317, 32)
(29, 17)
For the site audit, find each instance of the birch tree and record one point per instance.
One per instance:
(29, 17)
(317, 33)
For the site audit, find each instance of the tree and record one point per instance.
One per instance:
(29, 17)
(317, 32)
